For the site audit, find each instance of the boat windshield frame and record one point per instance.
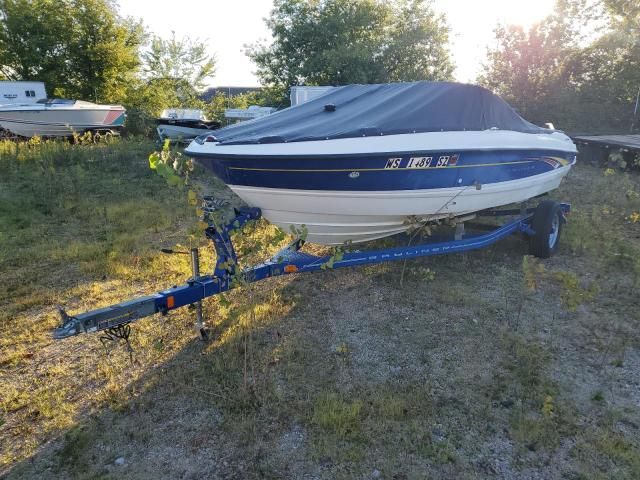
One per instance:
(56, 101)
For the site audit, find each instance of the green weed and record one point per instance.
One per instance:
(335, 414)
(392, 406)
(573, 293)
(439, 453)
(72, 455)
(539, 419)
(605, 454)
(13, 399)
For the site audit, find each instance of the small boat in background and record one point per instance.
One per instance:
(362, 162)
(21, 92)
(183, 124)
(59, 118)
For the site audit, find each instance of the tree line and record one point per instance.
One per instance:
(84, 49)
(578, 68)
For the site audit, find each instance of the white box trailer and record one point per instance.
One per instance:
(21, 92)
(301, 94)
(183, 114)
(254, 111)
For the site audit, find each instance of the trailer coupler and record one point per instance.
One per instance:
(193, 292)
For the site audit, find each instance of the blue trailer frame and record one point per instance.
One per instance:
(288, 261)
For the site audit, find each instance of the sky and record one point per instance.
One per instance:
(226, 26)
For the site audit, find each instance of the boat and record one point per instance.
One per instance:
(183, 124)
(364, 162)
(60, 118)
(12, 92)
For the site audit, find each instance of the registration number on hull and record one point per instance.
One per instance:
(422, 162)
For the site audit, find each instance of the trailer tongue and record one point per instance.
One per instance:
(542, 225)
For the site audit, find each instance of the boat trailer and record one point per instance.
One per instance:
(541, 224)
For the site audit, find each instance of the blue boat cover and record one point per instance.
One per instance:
(382, 109)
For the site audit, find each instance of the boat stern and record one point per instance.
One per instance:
(115, 117)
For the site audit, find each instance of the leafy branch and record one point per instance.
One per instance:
(173, 166)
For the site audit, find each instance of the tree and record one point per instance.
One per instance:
(173, 73)
(337, 42)
(104, 53)
(625, 36)
(527, 66)
(579, 68)
(417, 48)
(79, 48)
(181, 60)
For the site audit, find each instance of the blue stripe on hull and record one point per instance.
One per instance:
(387, 171)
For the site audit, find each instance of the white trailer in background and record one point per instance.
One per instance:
(254, 111)
(21, 92)
(302, 94)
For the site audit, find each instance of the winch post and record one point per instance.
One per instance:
(195, 269)
(221, 238)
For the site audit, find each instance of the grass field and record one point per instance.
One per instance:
(488, 364)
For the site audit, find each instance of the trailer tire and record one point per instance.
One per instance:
(546, 224)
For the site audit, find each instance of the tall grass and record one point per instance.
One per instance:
(80, 225)
(605, 217)
(92, 206)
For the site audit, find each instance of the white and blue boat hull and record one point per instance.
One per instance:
(360, 189)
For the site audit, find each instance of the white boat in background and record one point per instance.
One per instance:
(21, 92)
(363, 162)
(60, 118)
(183, 124)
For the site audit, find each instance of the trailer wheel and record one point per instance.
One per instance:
(547, 226)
